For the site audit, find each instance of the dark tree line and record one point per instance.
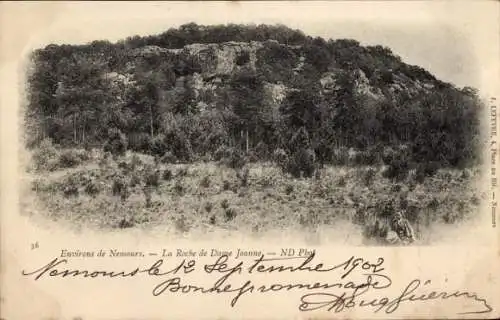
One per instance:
(100, 95)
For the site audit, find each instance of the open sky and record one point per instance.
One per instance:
(457, 41)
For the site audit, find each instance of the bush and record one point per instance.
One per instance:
(70, 186)
(179, 188)
(179, 145)
(135, 179)
(397, 170)
(116, 143)
(69, 159)
(226, 185)
(425, 170)
(152, 177)
(135, 162)
(243, 175)
(222, 152)
(45, 156)
(302, 163)
(168, 157)
(236, 159)
(367, 157)
(167, 175)
(157, 145)
(369, 176)
(120, 188)
(205, 182)
(212, 219)
(92, 188)
(340, 156)
(431, 168)
(224, 204)
(341, 182)
(124, 223)
(262, 150)
(139, 142)
(230, 214)
(251, 157)
(182, 172)
(208, 207)
(280, 157)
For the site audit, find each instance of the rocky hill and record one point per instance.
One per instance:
(190, 91)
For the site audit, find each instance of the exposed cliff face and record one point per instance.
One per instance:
(218, 61)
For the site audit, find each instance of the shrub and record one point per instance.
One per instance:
(69, 159)
(433, 204)
(289, 189)
(226, 185)
(230, 214)
(341, 182)
(431, 168)
(221, 153)
(158, 145)
(419, 175)
(251, 157)
(167, 175)
(92, 188)
(179, 188)
(367, 157)
(179, 145)
(116, 143)
(135, 179)
(369, 176)
(236, 159)
(208, 207)
(302, 163)
(45, 156)
(120, 188)
(243, 175)
(168, 157)
(152, 177)
(397, 170)
(212, 219)
(182, 172)
(70, 186)
(396, 188)
(262, 150)
(340, 156)
(126, 223)
(280, 157)
(135, 162)
(148, 195)
(139, 142)
(224, 204)
(205, 182)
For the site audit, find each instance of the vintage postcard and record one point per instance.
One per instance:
(249, 160)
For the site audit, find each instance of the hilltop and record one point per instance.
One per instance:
(252, 88)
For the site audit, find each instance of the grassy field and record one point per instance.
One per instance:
(208, 197)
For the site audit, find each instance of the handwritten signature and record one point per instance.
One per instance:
(353, 293)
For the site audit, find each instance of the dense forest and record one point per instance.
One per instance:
(200, 92)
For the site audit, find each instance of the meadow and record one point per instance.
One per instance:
(91, 189)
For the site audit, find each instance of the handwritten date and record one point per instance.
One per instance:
(360, 283)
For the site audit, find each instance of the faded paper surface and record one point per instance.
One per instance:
(458, 42)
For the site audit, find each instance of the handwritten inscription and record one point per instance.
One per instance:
(356, 282)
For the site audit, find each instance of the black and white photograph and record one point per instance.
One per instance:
(255, 128)
(249, 160)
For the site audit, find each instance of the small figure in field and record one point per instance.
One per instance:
(401, 230)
